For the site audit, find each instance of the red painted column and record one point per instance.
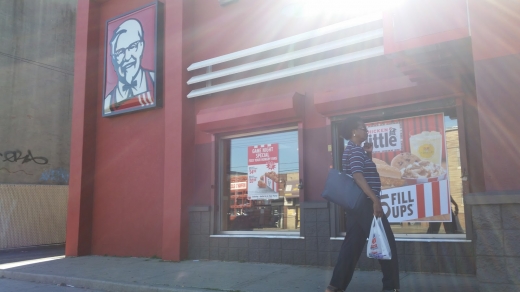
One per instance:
(495, 35)
(83, 131)
(178, 136)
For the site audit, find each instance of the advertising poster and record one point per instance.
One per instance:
(130, 62)
(262, 172)
(410, 156)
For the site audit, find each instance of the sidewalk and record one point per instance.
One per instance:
(142, 274)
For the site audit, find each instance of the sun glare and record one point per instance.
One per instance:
(313, 8)
(29, 262)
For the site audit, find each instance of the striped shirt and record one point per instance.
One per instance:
(355, 160)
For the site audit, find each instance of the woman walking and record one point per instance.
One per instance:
(357, 162)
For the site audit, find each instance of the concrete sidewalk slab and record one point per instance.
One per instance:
(8, 285)
(141, 274)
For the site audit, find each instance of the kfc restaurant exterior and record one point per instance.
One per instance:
(207, 130)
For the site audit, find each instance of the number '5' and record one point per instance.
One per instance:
(385, 204)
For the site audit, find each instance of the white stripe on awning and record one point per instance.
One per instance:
(371, 35)
(326, 63)
(290, 40)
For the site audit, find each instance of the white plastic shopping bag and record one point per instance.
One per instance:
(378, 247)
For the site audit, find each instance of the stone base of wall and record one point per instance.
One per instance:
(316, 247)
(496, 221)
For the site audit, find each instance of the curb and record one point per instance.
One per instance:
(90, 284)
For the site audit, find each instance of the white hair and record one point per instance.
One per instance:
(128, 25)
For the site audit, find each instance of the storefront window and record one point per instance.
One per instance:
(260, 183)
(418, 160)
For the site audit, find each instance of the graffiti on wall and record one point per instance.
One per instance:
(58, 176)
(47, 175)
(18, 156)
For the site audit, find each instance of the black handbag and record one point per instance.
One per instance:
(341, 189)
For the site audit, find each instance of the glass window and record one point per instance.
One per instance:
(260, 183)
(418, 159)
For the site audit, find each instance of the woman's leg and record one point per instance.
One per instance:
(450, 227)
(355, 240)
(348, 256)
(390, 268)
(433, 228)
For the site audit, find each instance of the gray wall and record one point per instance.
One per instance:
(495, 217)
(316, 248)
(36, 83)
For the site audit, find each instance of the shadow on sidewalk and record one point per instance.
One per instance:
(31, 253)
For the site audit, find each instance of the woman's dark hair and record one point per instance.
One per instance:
(348, 125)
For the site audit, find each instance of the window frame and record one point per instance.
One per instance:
(450, 107)
(220, 168)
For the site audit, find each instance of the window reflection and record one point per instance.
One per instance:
(456, 224)
(454, 220)
(261, 189)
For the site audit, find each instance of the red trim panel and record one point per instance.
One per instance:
(255, 113)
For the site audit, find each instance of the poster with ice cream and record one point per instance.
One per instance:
(410, 156)
(262, 172)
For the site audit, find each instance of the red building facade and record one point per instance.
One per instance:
(159, 182)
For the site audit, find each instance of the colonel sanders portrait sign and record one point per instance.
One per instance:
(131, 62)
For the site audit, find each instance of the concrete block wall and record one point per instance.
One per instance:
(36, 79)
(497, 238)
(316, 248)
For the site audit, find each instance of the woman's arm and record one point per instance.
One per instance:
(362, 183)
(355, 158)
(456, 206)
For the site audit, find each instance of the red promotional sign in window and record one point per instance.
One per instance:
(262, 172)
(410, 155)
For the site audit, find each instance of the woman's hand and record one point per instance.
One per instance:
(378, 209)
(368, 147)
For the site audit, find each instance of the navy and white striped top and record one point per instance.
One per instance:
(355, 160)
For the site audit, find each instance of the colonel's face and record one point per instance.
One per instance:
(127, 50)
